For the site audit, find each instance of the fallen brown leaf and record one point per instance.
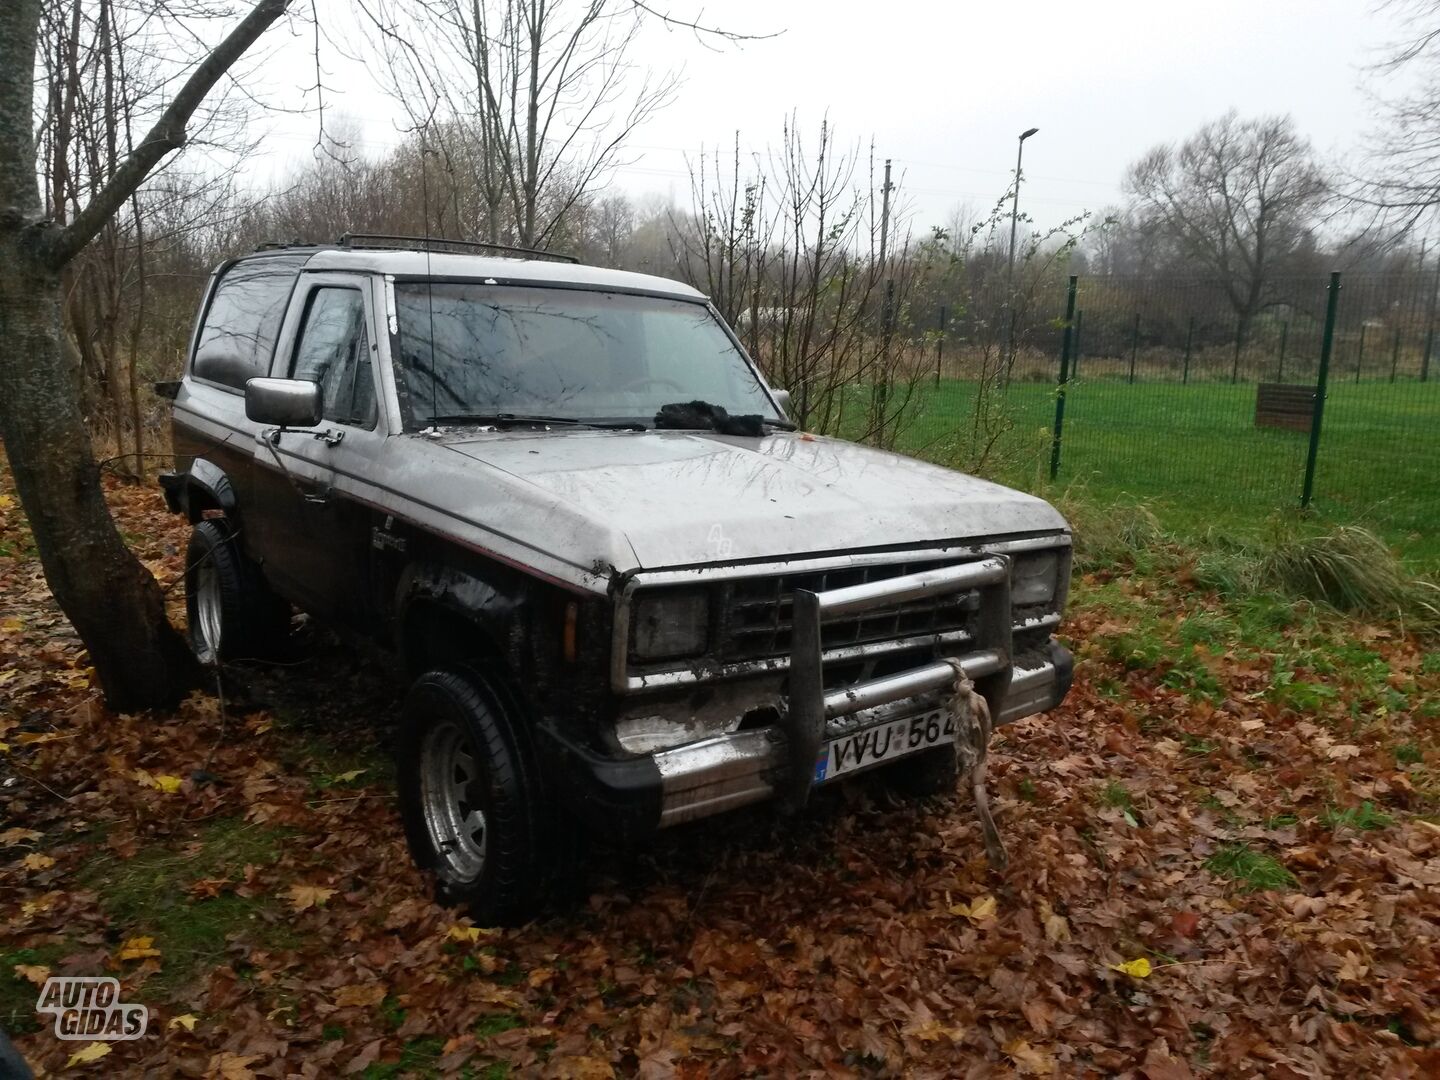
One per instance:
(360, 994)
(304, 897)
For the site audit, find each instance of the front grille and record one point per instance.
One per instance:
(756, 613)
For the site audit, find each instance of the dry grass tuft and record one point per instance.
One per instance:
(1348, 568)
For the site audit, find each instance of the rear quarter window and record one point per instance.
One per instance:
(237, 339)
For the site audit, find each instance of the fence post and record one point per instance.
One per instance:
(1395, 355)
(1075, 359)
(1321, 382)
(1189, 337)
(1360, 357)
(940, 346)
(1239, 337)
(1134, 346)
(1064, 378)
(1430, 330)
(1284, 336)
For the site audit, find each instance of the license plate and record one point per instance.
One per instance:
(884, 742)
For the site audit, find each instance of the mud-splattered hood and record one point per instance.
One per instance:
(678, 498)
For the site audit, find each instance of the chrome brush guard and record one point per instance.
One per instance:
(808, 707)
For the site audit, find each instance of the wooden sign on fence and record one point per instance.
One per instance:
(1284, 405)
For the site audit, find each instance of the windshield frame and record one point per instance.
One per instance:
(777, 416)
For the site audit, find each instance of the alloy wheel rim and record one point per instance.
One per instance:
(207, 610)
(449, 781)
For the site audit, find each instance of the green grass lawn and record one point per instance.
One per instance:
(1193, 451)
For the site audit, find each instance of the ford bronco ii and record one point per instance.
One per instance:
(628, 592)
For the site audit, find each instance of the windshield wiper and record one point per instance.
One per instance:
(703, 416)
(506, 418)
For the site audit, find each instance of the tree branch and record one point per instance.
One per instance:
(166, 136)
(678, 23)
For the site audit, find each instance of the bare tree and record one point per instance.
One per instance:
(725, 242)
(1233, 201)
(961, 226)
(1007, 318)
(789, 251)
(114, 603)
(533, 99)
(97, 60)
(1402, 181)
(1121, 247)
(613, 221)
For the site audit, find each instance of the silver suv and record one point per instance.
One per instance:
(628, 592)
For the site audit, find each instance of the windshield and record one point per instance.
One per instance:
(471, 350)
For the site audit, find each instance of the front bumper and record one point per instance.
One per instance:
(727, 771)
(630, 796)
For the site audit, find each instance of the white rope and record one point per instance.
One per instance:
(972, 746)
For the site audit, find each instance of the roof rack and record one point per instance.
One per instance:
(284, 245)
(387, 242)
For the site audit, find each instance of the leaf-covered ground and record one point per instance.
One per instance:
(1225, 861)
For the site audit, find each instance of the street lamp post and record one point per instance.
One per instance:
(1007, 329)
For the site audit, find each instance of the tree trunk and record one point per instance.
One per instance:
(531, 179)
(113, 602)
(137, 326)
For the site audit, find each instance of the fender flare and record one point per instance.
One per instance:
(205, 478)
(492, 605)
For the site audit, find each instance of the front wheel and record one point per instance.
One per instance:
(469, 796)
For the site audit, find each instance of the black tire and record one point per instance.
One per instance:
(230, 611)
(464, 712)
(930, 772)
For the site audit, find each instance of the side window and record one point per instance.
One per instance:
(243, 320)
(334, 351)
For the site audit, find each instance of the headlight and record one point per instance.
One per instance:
(670, 623)
(1034, 577)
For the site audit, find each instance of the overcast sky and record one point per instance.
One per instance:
(945, 88)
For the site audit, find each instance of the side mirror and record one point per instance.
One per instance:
(284, 402)
(782, 398)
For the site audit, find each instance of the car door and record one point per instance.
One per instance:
(234, 340)
(316, 531)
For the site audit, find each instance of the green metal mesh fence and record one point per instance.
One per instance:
(1185, 392)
